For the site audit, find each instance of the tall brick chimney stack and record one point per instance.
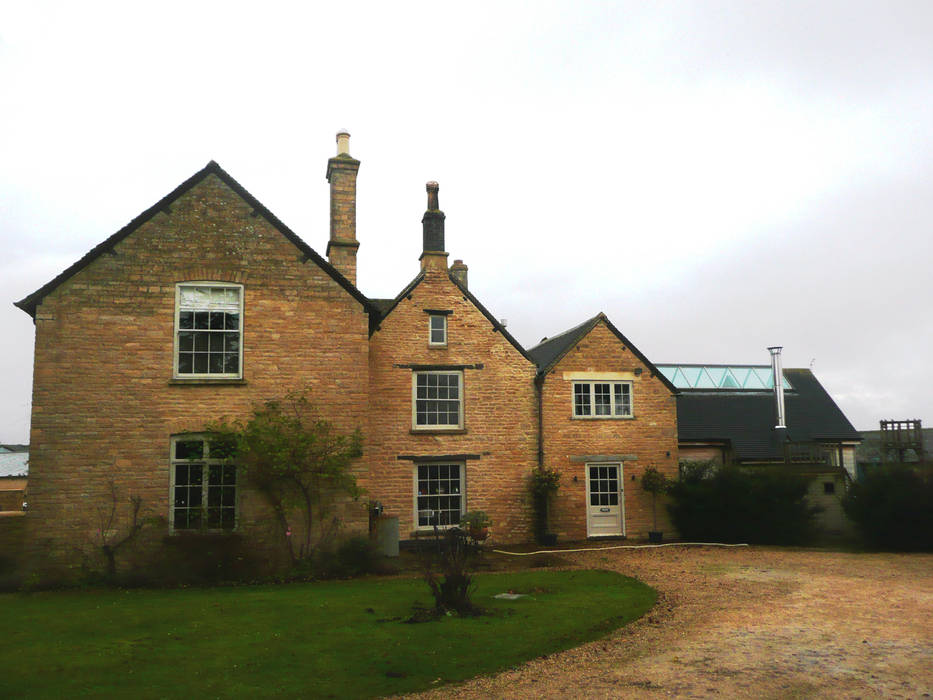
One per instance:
(433, 257)
(341, 174)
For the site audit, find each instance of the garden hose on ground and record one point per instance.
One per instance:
(621, 546)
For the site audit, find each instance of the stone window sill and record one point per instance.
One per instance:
(457, 431)
(206, 382)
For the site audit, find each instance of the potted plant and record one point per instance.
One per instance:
(654, 482)
(544, 483)
(476, 523)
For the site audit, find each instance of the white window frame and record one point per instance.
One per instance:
(176, 350)
(442, 318)
(206, 462)
(416, 521)
(613, 403)
(414, 401)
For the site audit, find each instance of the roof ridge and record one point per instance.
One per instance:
(570, 330)
(31, 301)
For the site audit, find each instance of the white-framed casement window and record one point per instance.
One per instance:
(203, 486)
(437, 330)
(437, 400)
(208, 330)
(440, 494)
(602, 399)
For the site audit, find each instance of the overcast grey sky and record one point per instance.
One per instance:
(716, 177)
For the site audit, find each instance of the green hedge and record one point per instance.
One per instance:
(731, 504)
(892, 507)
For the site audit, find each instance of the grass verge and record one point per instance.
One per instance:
(335, 639)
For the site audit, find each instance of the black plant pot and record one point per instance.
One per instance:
(655, 537)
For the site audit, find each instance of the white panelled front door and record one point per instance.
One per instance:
(605, 515)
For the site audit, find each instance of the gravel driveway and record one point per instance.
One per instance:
(749, 622)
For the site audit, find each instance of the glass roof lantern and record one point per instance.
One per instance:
(721, 377)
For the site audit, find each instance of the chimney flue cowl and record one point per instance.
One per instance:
(777, 372)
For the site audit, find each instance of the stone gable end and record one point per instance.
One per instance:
(648, 438)
(499, 410)
(105, 403)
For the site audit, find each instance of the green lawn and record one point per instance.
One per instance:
(334, 639)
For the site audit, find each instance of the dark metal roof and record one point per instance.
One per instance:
(549, 352)
(8, 447)
(30, 303)
(746, 419)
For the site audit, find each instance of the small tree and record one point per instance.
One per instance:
(109, 537)
(544, 483)
(295, 458)
(654, 482)
(447, 573)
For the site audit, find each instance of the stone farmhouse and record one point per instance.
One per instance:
(207, 304)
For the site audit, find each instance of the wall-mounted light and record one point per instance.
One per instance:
(638, 371)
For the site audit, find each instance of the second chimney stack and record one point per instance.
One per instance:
(341, 174)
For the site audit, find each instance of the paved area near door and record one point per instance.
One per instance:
(750, 622)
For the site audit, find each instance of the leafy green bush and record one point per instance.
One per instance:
(892, 507)
(543, 484)
(757, 505)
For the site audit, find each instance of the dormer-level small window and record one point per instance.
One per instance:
(208, 328)
(437, 326)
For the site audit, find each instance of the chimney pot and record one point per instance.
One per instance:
(343, 142)
(432, 188)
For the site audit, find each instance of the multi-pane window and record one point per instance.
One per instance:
(203, 486)
(438, 400)
(209, 328)
(604, 485)
(439, 494)
(437, 328)
(602, 399)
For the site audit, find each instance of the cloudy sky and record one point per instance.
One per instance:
(716, 177)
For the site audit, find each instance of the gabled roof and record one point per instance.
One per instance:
(387, 306)
(745, 419)
(8, 447)
(549, 352)
(496, 324)
(30, 303)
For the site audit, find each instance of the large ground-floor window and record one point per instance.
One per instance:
(439, 494)
(203, 490)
